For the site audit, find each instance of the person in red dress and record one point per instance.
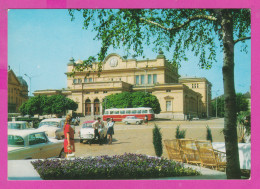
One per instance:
(69, 145)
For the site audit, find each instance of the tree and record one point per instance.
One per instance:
(241, 104)
(132, 100)
(157, 141)
(41, 105)
(177, 31)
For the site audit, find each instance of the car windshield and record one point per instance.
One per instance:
(49, 123)
(87, 125)
(16, 125)
(15, 140)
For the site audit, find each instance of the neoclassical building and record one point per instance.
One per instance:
(17, 92)
(178, 96)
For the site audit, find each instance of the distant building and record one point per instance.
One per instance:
(178, 98)
(17, 92)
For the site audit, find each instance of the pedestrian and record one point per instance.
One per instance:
(146, 119)
(69, 145)
(98, 124)
(110, 129)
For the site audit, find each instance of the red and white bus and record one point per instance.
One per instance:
(120, 113)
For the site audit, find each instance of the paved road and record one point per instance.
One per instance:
(138, 138)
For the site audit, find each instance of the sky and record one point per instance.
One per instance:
(41, 42)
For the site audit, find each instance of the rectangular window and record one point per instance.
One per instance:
(133, 112)
(85, 80)
(111, 112)
(144, 111)
(128, 111)
(106, 112)
(75, 81)
(90, 80)
(142, 80)
(137, 79)
(149, 79)
(104, 91)
(168, 91)
(79, 80)
(139, 111)
(154, 78)
(116, 112)
(122, 112)
(168, 106)
(96, 92)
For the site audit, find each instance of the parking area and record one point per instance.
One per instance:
(138, 138)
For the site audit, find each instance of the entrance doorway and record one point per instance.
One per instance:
(87, 107)
(96, 107)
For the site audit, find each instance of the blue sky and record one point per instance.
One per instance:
(41, 42)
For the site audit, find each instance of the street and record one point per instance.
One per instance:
(138, 138)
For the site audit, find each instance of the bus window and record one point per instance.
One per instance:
(111, 112)
(144, 111)
(116, 112)
(106, 112)
(133, 111)
(151, 111)
(139, 111)
(122, 112)
(128, 111)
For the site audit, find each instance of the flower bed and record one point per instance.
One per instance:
(127, 166)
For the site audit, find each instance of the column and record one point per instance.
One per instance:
(92, 109)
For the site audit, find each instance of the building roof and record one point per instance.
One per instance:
(22, 81)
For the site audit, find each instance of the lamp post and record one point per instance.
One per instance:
(30, 83)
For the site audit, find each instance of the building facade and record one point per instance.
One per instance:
(176, 96)
(17, 92)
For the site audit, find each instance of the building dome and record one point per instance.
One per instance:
(22, 81)
(79, 61)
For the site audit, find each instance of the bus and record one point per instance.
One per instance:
(120, 113)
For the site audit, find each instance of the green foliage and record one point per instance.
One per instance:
(132, 100)
(157, 141)
(209, 135)
(244, 119)
(241, 104)
(127, 166)
(173, 30)
(56, 104)
(180, 133)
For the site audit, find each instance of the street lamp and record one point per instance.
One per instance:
(30, 83)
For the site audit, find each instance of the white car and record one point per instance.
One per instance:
(87, 132)
(32, 144)
(18, 125)
(53, 127)
(132, 119)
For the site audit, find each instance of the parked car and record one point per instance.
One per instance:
(87, 132)
(53, 127)
(32, 144)
(18, 125)
(132, 119)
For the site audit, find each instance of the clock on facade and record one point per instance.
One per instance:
(113, 62)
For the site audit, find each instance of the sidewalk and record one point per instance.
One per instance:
(23, 170)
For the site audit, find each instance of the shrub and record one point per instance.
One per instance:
(209, 135)
(180, 133)
(157, 141)
(127, 166)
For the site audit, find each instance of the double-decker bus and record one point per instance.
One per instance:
(120, 113)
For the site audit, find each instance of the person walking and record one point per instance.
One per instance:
(96, 125)
(146, 119)
(110, 129)
(69, 145)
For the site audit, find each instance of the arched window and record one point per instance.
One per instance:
(87, 107)
(96, 107)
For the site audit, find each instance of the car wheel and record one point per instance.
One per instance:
(137, 122)
(62, 154)
(80, 140)
(126, 123)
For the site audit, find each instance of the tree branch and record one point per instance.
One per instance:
(196, 17)
(241, 39)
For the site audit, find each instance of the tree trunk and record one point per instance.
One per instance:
(230, 118)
